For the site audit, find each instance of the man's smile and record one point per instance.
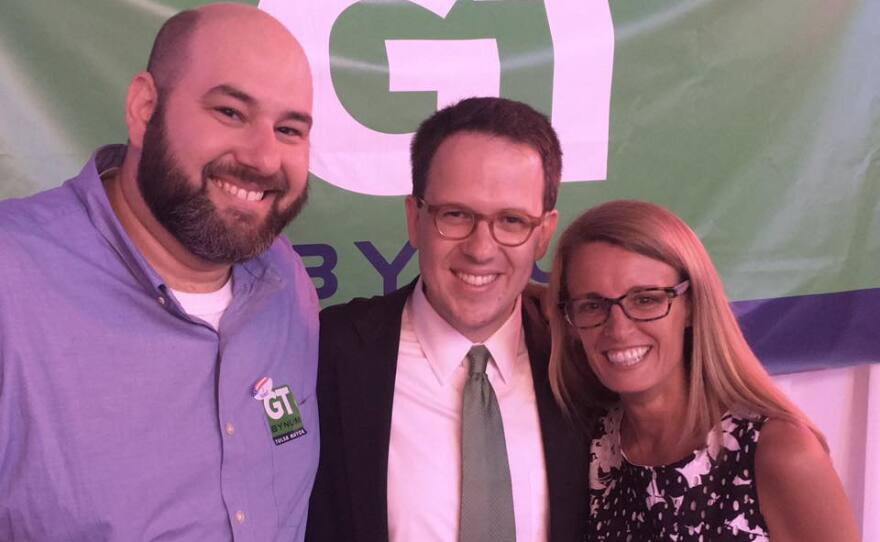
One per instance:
(476, 280)
(237, 191)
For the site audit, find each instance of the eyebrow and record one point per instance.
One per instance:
(471, 209)
(247, 99)
(632, 290)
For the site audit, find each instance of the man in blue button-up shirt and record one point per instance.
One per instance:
(157, 337)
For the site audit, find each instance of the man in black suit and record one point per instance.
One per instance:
(405, 454)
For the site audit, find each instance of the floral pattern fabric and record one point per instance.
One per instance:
(710, 495)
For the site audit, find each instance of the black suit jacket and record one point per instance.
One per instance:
(356, 372)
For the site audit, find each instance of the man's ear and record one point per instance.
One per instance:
(545, 233)
(412, 220)
(140, 104)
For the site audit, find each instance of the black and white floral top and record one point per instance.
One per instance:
(710, 495)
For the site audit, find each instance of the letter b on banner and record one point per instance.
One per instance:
(380, 68)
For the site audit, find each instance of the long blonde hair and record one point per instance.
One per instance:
(723, 372)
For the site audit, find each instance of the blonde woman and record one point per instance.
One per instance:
(694, 441)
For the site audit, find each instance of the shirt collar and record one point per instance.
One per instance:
(445, 347)
(90, 190)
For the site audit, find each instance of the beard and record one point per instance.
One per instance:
(187, 212)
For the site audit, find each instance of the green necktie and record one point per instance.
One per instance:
(486, 494)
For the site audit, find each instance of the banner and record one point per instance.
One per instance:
(758, 123)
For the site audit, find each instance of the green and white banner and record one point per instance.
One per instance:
(757, 122)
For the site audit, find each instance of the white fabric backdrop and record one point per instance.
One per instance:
(845, 404)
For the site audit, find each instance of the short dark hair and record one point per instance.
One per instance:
(171, 49)
(501, 117)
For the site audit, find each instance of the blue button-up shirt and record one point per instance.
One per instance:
(123, 418)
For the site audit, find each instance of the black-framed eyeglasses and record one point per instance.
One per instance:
(639, 305)
(509, 227)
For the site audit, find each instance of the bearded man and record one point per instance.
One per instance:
(158, 337)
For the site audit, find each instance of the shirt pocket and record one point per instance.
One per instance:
(294, 466)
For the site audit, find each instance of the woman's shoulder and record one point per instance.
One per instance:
(800, 493)
(788, 451)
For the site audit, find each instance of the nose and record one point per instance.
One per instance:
(260, 150)
(618, 324)
(480, 245)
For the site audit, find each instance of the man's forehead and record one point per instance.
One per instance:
(487, 147)
(234, 30)
(240, 17)
(269, 67)
(226, 37)
(468, 153)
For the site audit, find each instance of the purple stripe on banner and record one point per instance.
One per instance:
(803, 333)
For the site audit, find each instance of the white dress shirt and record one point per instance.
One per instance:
(424, 458)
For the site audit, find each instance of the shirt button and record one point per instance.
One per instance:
(161, 300)
(239, 517)
(230, 429)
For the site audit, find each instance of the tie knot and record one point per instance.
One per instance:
(479, 356)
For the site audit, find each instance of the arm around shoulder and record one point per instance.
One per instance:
(800, 494)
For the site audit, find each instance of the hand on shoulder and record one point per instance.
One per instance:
(799, 492)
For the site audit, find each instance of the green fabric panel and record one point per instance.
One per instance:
(758, 122)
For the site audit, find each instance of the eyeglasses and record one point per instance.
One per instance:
(455, 222)
(639, 305)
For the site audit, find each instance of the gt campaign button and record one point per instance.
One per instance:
(263, 388)
(282, 413)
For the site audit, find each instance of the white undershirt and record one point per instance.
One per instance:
(424, 459)
(208, 306)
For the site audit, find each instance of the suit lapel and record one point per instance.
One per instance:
(564, 456)
(366, 404)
